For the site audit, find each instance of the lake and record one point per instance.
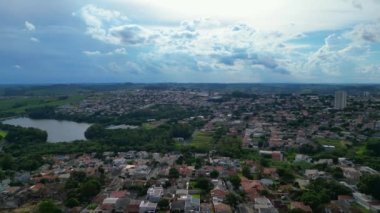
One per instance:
(58, 131)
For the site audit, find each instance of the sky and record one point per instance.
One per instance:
(205, 41)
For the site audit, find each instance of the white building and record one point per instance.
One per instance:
(155, 193)
(147, 207)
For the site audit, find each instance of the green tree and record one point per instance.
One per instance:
(90, 188)
(163, 204)
(370, 184)
(246, 171)
(48, 206)
(373, 147)
(173, 173)
(235, 181)
(71, 202)
(204, 184)
(7, 162)
(286, 174)
(214, 174)
(232, 199)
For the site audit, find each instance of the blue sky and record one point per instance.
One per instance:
(289, 41)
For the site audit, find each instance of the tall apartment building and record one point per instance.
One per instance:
(340, 100)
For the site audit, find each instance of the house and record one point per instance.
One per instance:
(338, 206)
(313, 174)
(245, 208)
(271, 172)
(251, 187)
(177, 206)
(154, 194)
(113, 204)
(206, 208)
(147, 207)
(325, 161)
(218, 194)
(366, 201)
(300, 206)
(133, 206)
(192, 203)
(222, 208)
(263, 205)
(301, 157)
(351, 174)
(275, 155)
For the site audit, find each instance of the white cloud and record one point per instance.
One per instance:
(117, 51)
(29, 26)
(34, 39)
(284, 15)
(17, 66)
(365, 33)
(111, 26)
(369, 69)
(208, 45)
(91, 53)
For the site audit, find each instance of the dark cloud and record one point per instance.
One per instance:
(266, 62)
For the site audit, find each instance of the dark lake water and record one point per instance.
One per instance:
(58, 131)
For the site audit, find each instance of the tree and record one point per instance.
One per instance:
(89, 188)
(337, 173)
(198, 163)
(246, 171)
(71, 202)
(48, 206)
(235, 181)
(286, 175)
(173, 173)
(95, 131)
(7, 162)
(370, 184)
(232, 199)
(204, 184)
(163, 204)
(214, 174)
(373, 147)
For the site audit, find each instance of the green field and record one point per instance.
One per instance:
(18, 105)
(339, 144)
(3, 133)
(148, 126)
(201, 141)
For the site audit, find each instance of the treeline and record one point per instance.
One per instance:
(155, 139)
(23, 135)
(171, 112)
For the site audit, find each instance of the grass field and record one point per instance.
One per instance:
(201, 141)
(339, 144)
(3, 133)
(148, 126)
(18, 105)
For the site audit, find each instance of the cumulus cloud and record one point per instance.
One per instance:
(336, 55)
(365, 33)
(29, 26)
(112, 27)
(206, 45)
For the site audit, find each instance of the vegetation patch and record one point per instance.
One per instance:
(201, 141)
(339, 144)
(18, 105)
(3, 133)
